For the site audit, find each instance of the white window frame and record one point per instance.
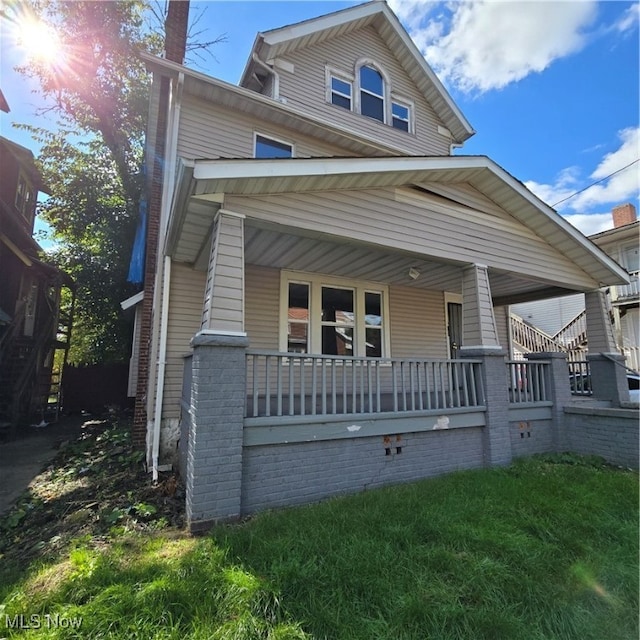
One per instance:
(343, 76)
(407, 104)
(386, 88)
(316, 282)
(268, 136)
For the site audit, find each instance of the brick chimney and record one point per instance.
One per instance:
(176, 26)
(623, 214)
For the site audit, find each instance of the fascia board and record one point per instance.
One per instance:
(559, 221)
(251, 168)
(321, 23)
(178, 211)
(291, 168)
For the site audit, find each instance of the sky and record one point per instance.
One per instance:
(551, 88)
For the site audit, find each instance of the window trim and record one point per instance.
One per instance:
(402, 102)
(343, 76)
(386, 88)
(24, 205)
(265, 136)
(316, 281)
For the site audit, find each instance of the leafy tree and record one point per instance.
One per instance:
(96, 89)
(97, 92)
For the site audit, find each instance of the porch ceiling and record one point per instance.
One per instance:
(203, 185)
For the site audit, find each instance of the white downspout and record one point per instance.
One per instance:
(162, 361)
(273, 72)
(167, 187)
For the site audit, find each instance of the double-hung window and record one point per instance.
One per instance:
(333, 316)
(341, 92)
(400, 115)
(372, 93)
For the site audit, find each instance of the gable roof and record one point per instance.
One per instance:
(241, 99)
(278, 42)
(207, 180)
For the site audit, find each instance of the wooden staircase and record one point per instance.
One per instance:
(571, 339)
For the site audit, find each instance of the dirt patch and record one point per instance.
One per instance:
(95, 488)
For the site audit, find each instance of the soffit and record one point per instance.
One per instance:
(210, 181)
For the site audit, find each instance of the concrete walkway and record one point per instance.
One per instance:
(25, 457)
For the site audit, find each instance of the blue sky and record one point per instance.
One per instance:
(551, 88)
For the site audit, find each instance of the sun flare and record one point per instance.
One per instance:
(39, 41)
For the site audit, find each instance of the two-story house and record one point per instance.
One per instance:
(31, 326)
(327, 306)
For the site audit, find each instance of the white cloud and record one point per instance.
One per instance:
(590, 223)
(618, 188)
(629, 19)
(486, 45)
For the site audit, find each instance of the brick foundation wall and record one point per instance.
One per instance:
(610, 433)
(530, 437)
(288, 474)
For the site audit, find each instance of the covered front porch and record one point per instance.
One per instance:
(354, 328)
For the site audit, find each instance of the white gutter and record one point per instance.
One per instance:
(273, 72)
(167, 190)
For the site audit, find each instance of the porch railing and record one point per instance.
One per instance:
(528, 381)
(290, 384)
(627, 292)
(580, 377)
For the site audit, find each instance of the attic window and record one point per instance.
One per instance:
(341, 92)
(400, 115)
(270, 148)
(371, 93)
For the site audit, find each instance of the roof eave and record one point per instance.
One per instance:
(253, 170)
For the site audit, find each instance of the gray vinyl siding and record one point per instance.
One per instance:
(185, 313)
(417, 323)
(501, 315)
(209, 131)
(223, 301)
(424, 225)
(305, 89)
(262, 306)
(417, 318)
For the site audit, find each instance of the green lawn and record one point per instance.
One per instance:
(547, 548)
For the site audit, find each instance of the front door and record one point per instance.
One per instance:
(454, 328)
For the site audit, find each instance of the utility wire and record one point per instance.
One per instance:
(595, 183)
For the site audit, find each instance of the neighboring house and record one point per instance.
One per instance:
(327, 305)
(32, 328)
(563, 319)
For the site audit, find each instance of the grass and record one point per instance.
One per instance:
(544, 549)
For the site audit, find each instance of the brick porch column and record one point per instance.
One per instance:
(608, 374)
(559, 393)
(480, 342)
(214, 453)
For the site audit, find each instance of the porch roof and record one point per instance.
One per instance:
(202, 185)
